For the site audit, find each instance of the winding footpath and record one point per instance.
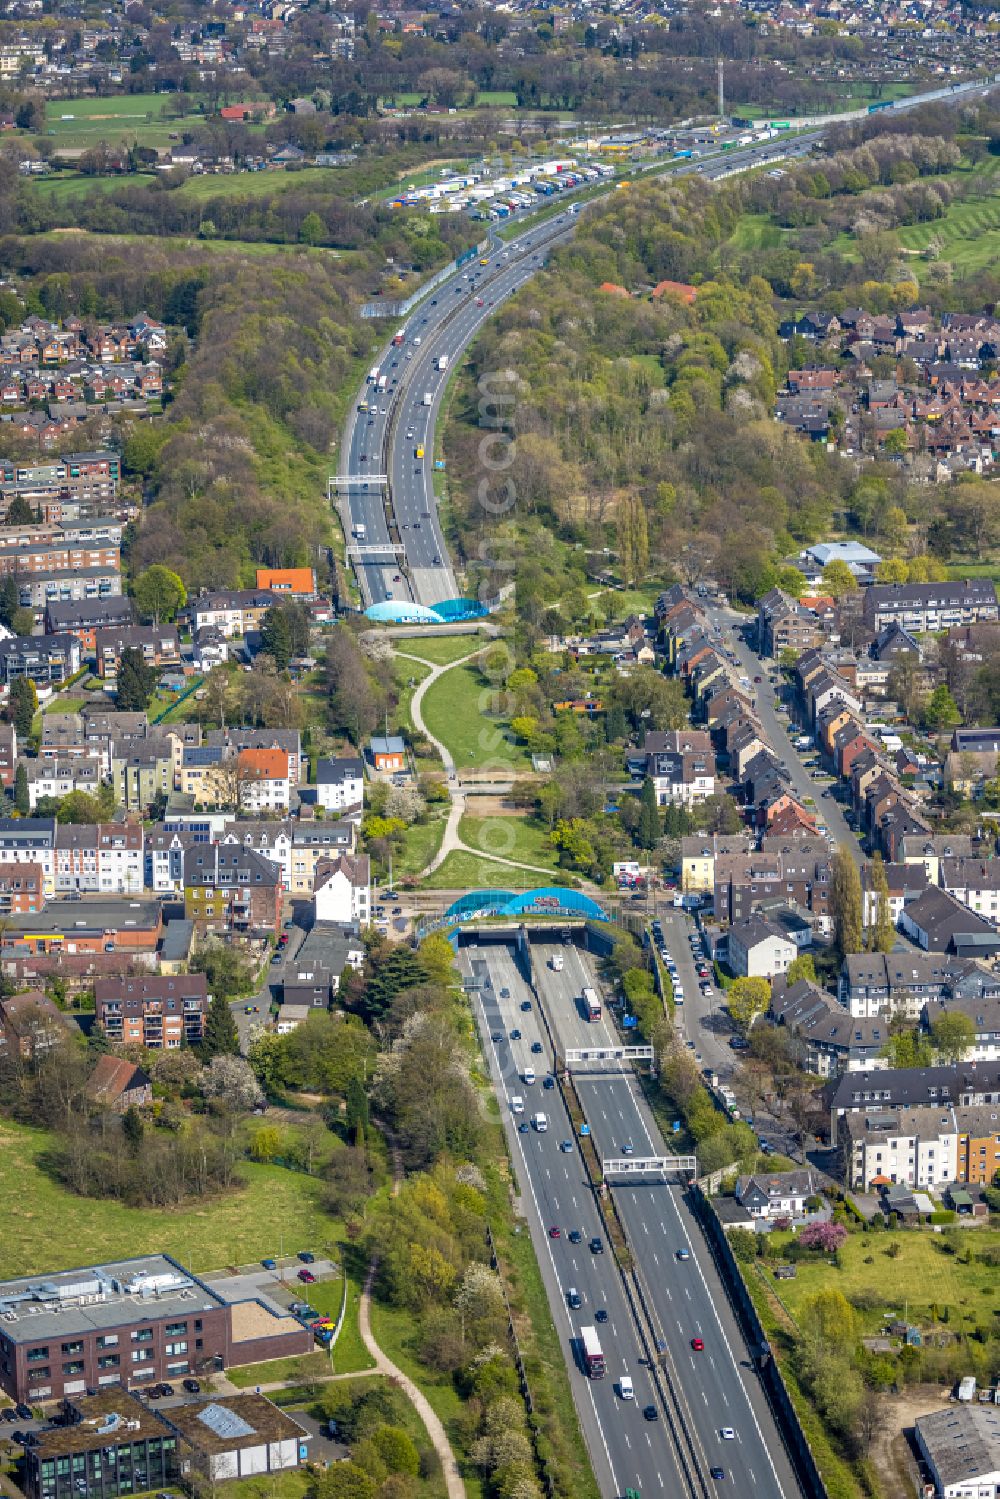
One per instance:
(453, 842)
(384, 1365)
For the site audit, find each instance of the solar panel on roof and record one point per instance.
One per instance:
(224, 1423)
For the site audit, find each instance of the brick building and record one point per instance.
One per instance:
(161, 1012)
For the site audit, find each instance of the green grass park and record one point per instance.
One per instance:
(456, 711)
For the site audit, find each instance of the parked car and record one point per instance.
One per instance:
(192, 1386)
(307, 1277)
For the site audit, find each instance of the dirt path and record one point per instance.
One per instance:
(452, 842)
(384, 1365)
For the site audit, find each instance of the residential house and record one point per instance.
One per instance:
(904, 982)
(781, 1195)
(49, 660)
(8, 755)
(915, 1147)
(978, 1143)
(698, 855)
(783, 624)
(30, 840)
(896, 1088)
(976, 883)
(923, 608)
(758, 949)
(263, 781)
(142, 772)
(231, 889)
(52, 778)
(300, 582)
(289, 740)
(343, 891)
(83, 617)
(231, 612)
(905, 882)
(22, 889)
(119, 1084)
(158, 1012)
(39, 590)
(833, 1041)
(158, 646)
(681, 765)
(984, 1015)
(340, 782)
(30, 1023)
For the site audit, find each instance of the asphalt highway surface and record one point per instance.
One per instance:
(386, 488)
(627, 1450)
(720, 1387)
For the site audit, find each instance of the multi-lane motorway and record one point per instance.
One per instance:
(380, 446)
(627, 1450)
(687, 1298)
(401, 553)
(387, 490)
(702, 1392)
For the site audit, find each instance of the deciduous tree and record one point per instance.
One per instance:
(748, 998)
(846, 904)
(159, 593)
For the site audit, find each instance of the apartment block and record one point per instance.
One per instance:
(161, 1012)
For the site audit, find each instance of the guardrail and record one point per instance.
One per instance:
(775, 1389)
(664, 1377)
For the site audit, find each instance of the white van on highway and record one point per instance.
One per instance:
(625, 1388)
(528, 1076)
(516, 1103)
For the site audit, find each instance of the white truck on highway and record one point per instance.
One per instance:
(428, 398)
(360, 530)
(442, 361)
(556, 962)
(540, 1122)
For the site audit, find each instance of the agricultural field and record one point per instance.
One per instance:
(135, 119)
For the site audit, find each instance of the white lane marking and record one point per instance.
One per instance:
(558, 1280)
(732, 1358)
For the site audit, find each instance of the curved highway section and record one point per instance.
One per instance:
(386, 490)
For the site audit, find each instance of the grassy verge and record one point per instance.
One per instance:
(456, 711)
(408, 674)
(46, 1227)
(394, 1331)
(289, 1485)
(301, 1369)
(443, 649)
(838, 1478)
(422, 842)
(519, 838)
(462, 871)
